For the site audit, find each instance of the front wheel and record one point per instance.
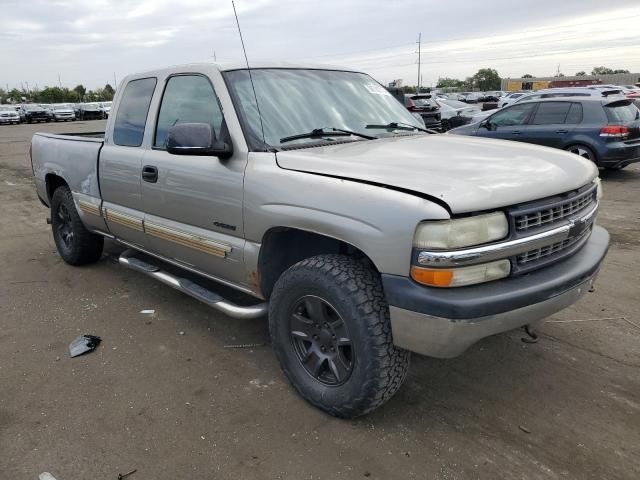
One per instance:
(76, 244)
(330, 329)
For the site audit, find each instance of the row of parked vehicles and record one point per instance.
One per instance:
(600, 123)
(56, 112)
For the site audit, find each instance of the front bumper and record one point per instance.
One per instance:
(9, 119)
(443, 323)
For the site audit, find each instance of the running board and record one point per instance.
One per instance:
(129, 260)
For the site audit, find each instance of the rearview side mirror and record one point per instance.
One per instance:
(197, 139)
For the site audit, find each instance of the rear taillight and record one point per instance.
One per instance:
(614, 131)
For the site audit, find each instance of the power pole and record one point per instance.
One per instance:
(558, 71)
(214, 56)
(419, 52)
(59, 81)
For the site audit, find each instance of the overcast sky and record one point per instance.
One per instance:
(88, 41)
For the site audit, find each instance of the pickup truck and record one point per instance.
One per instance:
(311, 190)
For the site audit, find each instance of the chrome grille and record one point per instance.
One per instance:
(549, 250)
(547, 215)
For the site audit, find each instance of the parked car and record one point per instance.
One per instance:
(49, 109)
(8, 115)
(35, 113)
(105, 109)
(565, 92)
(469, 97)
(603, 130)
(510, 98)
(90, 111)
(489, 97)
(362, 236)
(20, 110)
(63, 112)
(425, 106)
(455, 114)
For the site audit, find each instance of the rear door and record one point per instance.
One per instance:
(509, 123)
(552, 123)
(121, 162)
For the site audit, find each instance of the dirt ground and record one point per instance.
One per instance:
(163, 395)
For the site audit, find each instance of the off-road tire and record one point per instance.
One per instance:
(354, 290)
(84, 247)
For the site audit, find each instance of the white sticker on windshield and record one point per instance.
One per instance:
(376, 89)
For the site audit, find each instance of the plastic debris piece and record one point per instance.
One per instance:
(524, 429)
(46, 476)
(147, 312)
(125, 475)
(83, 344)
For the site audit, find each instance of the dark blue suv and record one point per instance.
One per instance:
(606, 132)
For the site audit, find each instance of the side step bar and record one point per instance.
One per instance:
(129, 260)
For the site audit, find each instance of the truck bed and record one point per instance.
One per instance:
(73, 157)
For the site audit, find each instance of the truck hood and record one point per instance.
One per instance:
(468, 174)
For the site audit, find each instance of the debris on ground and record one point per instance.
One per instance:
(524, 429)
(83, 344)
(125, 475)
(245, 345)
(147, 312)
(46, 476)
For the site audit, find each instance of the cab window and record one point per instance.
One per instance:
(187, 99)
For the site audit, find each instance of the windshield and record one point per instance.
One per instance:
(62, 106)
(295, 101)
(622, 113)
(33, 108)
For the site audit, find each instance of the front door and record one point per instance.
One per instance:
(192, 203)
(509, 123)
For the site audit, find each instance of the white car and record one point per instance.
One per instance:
(510, 98)
(567, 92)
(9, 115)
(105, 108)
(455, 113)
(63, 112)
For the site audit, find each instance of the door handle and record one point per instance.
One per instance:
(515, 132)
(562, 131)
(150, 173)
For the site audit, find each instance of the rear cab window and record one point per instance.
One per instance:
(131, 118)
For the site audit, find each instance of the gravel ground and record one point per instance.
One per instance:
(163, 395)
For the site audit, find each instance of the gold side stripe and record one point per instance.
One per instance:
(90, 208)
(188, 240)
(124, 219)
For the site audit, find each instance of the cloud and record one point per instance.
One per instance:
(89, 42)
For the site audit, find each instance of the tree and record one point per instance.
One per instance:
(486, 79)
(80, 90)
(581, 73)
(527, 75)
(446, 82)
(606, 71)
(108, 92)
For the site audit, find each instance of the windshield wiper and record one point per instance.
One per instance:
(328, 132)
(401, 126)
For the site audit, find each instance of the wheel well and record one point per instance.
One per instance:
(283, 247)
(53, 181)
(583, 144)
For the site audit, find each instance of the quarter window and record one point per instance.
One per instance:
(187, 99)
(132, 113)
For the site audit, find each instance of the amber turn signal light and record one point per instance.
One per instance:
(432, 277)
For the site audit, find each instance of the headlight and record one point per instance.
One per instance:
(461, 276)
(461, 232)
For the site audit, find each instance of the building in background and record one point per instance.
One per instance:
(538, 83)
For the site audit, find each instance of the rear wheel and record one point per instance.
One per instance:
(76, 244)
(583, 151)
(330, 329)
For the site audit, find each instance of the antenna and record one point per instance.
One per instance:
(250, 76)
